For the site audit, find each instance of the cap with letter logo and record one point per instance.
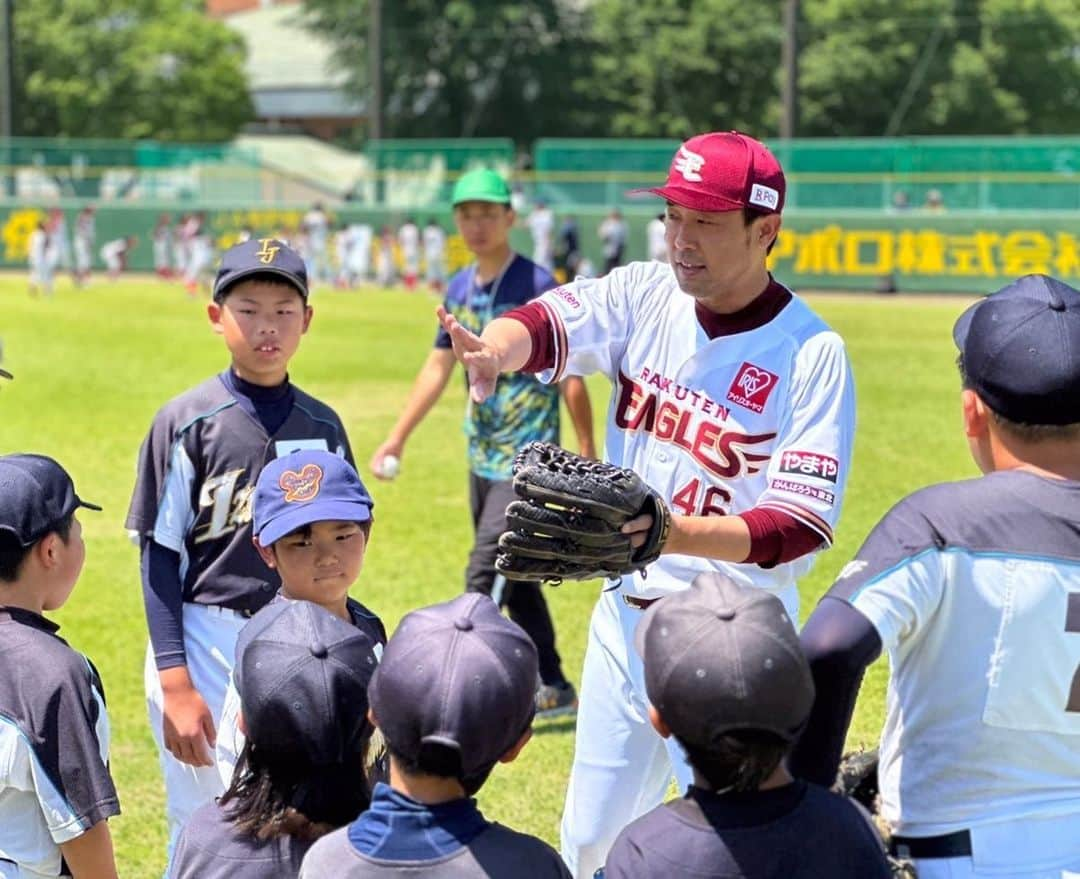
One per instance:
(724, 171)
(260, 256)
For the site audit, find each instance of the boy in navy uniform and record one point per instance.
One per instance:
(453, 696)
(973, 590)
(312, 523)
(55, 788)
(302, 675)
(725, 676)
(191, 507)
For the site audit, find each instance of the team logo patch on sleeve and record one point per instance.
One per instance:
(752, 387)
(810, 464)
(303, 485)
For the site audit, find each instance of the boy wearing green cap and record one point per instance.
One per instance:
(520, 411)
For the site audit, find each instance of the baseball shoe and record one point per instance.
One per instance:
(555, 700)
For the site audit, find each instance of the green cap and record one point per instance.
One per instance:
(483, 184)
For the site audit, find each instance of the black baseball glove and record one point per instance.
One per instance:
(567, 524)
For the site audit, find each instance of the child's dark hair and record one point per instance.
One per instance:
(1028, 433)
(262, 278)
(441, 762)
(739, 760)
(268, 799)
(12, 554)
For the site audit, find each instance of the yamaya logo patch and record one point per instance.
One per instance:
(752, 387)
(302, 485)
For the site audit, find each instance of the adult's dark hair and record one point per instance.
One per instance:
(738, 761)
(12, 555)
(269, 799)
(1027, 433)
(751, 214)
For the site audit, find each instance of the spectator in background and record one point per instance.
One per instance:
(435, 255)
(567, 251)
(161, 239)
(654, 234)
(409, 239)
(115, 255)
(541, 224)
(85, 235)
(612, 232)
(900, 201)
(316, 228)
(934, 202)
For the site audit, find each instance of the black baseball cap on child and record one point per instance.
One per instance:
(720, 658)
(36, 495)
(456, 678)
(302, 675)
(1021, 349)
(260, 256)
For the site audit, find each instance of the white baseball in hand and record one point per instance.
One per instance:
(391, 466)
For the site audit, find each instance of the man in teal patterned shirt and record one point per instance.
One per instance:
(521, 410)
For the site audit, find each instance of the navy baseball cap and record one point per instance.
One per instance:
(720, 658)
(307, 486)
(302, 675)
(1021, 350)
(456, 678)
(36, 495)
(260, 256)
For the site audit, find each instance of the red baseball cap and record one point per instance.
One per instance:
(724, 171)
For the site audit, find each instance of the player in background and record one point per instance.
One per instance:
(656, 237)
(342, 241)
(567, 251)
(200, 253)
(312, 519)
(115, 255)
(162, 243)
(40, 256)
(612, 233)
(358, 270)
(973, 590)
(84, 244)
(541, 224)
(727, 679)
(56, 792)
(452, 697)
(58, 235)
(730, 397)
(435, 255)
(316, 229)
(409, 240)
(302, 675)
(520, 411)
(202, 576)
(181, 248)
(385, 269)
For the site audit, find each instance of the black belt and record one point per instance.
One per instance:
(638, 603)
(948, 845)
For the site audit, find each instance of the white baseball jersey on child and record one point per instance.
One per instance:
(763, 418)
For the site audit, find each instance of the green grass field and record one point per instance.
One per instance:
(93, 366)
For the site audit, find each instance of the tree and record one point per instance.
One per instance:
(127, 69)
(463, 68)
(941, 67)
(671, 68)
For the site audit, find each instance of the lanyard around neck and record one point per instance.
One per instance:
(473, 287)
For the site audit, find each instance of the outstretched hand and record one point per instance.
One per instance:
(481, 361)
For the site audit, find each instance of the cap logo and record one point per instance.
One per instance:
(764, 196)
(268, 250)
(303, 485)
(689, 164)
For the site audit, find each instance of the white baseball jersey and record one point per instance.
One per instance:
(974, 588)
(655, 234)
(409, 239)
(763, 418)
